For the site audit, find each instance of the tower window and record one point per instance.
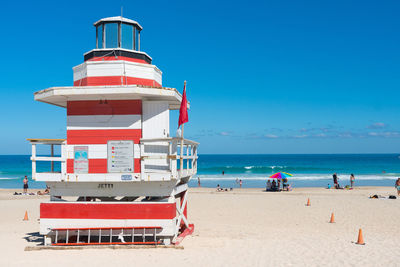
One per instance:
(111, 35)
(100, 36)
(126, 36)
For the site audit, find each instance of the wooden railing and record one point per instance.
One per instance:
(52, 174)
(162, 156)
(160, 159)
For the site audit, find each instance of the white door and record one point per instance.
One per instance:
(155, 121)
(155, 124)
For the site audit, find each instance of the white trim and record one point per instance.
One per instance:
(48, 176)
(108, 122)
(136, 151)
(60, 95)
(87, 185)
(118, 19)
(99, 151)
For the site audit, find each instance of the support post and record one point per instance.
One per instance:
(52, 155)
(184, 196)
(187, 161)
(181, 154)
(33, 158)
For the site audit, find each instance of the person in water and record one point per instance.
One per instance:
(198, 181)
(352, 179)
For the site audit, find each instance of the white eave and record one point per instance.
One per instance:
(118, 19)
(59, 96)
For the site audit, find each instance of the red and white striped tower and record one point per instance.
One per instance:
(118, 181)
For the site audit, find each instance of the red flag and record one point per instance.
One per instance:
(183, 114)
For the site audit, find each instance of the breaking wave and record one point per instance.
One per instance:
(344, 177)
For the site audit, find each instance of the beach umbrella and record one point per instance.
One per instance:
(280, 175)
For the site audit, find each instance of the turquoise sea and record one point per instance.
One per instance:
(308, 170)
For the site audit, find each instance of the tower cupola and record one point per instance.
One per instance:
(118, 37)
(118, 32)
(117, 59)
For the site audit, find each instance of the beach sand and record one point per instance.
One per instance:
(245, 227)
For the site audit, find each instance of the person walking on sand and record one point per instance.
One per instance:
(25, 185)
(352, 179)
(397, 185)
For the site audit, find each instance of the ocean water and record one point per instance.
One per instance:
(308, 170)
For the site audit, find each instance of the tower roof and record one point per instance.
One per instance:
(59, 96)
(118, 19)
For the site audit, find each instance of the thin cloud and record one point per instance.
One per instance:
(224, 133)
(300, 136)
(270, 136)
(384, 134)
(377, 125)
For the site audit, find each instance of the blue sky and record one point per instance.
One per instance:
(263, 76)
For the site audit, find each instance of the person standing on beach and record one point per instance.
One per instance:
(25, 185)
(352, 179)
(397, 185)
(335, 180)
(268, 185)
(198, 181)
(240, 183)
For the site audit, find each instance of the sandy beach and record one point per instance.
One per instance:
(245, 227)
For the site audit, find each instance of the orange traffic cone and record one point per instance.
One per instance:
(26, 216)
(332, 218)
(308, 202)
(360, 240)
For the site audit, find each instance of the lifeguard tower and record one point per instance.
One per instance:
(122, 179)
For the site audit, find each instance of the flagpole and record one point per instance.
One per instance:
(181, 160)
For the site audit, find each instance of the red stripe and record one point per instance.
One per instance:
(115, 80)
(118, 58)
(95, 166)
(107, 211)
(70, 166)
(91, 137)
(99, 166)
(112, 107)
